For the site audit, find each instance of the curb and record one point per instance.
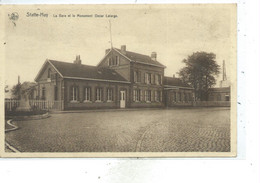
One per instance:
(21, 118)
(12, 125)
(11, 147)
(9, 130)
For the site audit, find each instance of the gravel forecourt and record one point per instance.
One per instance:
(155, 130)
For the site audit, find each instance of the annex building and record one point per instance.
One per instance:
(122, 79)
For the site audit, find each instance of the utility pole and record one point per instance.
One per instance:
(224, 71)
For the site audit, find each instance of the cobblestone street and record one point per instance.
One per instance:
(156, 130)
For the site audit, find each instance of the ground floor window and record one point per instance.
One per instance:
(74, 93)
(190, 97)
(137, 95)
(174, 96)
(87, 94)
(227, 98)
(55, 93)
(148, 95)
(157, 96)
(219, 97)
(185, 97)
(109, 94)
(43, 93)
(180, 97)
(99, 94)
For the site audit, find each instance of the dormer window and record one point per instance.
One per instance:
(113, 61)
(117, 60)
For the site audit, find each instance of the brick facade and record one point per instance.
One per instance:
(80, 86)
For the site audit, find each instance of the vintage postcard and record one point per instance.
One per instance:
(118, 80)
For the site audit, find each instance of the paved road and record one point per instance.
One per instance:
(171, 130)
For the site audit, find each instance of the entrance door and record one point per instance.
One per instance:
(122, 99)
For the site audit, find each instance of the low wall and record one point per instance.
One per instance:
(211, 103)
(146, 104)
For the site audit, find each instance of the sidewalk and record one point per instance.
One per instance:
(104, 110)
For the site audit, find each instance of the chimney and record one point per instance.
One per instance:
(77, 61)
(107, 50)
(123, 49)
(173, 75)
(19, 80)
(153, 56)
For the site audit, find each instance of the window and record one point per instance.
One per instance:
(174, 96)
(148, 78)
(99, 94)
(49, 73)
(117, 60)
(113, 61)
(148, 95)
(157, 96)
(109, 94)
(137, 95)
(156, 79)
(74, 93)
(87, 94)
(219, 97)
(180, 97)
(43, 93)
(110, 61)
(137, 76)
(159, 79)
(227, 97)
(55, 93)
(185, 97)
(190, 97)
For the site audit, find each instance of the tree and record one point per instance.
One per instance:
(24, 89)
(200, 72)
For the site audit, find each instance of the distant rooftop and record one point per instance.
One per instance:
(172, 81)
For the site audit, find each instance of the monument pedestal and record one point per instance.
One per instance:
(24, 105)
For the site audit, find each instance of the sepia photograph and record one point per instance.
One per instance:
(119, 80)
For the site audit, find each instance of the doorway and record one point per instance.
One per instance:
(122, 98)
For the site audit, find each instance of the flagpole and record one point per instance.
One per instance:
(110, 34)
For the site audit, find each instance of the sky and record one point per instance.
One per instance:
(173, 31)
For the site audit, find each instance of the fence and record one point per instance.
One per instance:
(12, 104)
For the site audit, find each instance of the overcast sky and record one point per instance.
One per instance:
(174, 32)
